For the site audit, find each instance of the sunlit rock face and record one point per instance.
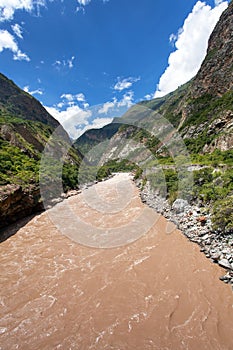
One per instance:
(216, 74)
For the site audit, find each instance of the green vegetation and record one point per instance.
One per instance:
(16, 167)
(223, 215)
(212, 184)
(206, 108)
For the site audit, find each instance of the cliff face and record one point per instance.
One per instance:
(25, 128)
(215, 76)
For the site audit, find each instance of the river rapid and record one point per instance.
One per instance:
(152, 290)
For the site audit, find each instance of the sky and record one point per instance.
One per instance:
(88, 61)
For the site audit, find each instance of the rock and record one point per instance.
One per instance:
(202, 220)
(215, 256)
(56, 200)
(206, 236)
(180, 205)
(16, 202)
(222, 278)
(225, 263)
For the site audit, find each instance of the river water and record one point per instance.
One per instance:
(148, 291)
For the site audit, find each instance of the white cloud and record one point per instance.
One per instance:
(80, 97)
(218, 2)
(72, 119)
(20, 56)
(69, 63)
(34, 92)
(114, 105)
(100, 122)
(127, 100)
(17, 29)
(191, 46)
(148, 96)
(7, 41)
(70, 99)
(172, 38)
(125, 83)
(8, 7)
(83, 2)
(76, 120)
(108, 106)
(96, 123)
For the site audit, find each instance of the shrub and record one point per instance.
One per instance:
(223, 215)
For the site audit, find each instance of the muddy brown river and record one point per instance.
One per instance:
(152, 289)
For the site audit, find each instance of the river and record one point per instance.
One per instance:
(150, 290)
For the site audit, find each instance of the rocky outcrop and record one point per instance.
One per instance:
(15, 203)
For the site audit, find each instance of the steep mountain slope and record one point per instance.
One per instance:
(202, 109)
(25, 128)
(93, 137)
(16, 102)
(200, 113)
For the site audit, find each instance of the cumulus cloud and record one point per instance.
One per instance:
(126, 83)
(33, 92)
(8, 7)
(191, 45)
(7, 41)
(108, 106)
(72, 118)
(75, 115)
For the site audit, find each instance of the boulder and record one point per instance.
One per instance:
(225, 263)
(180, 206)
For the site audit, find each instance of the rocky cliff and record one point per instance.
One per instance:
(215, 76)
(25, 128)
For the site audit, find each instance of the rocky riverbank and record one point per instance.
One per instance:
(195, 223)
(17, 203)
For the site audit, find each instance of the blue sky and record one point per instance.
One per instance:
(89, 60)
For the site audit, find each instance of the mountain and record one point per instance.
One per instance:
(93, 137)
(25, 129)
(201, 110)
(198, 114)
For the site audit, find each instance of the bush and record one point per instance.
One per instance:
(223, 215)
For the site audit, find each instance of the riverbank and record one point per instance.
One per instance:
(195, 224)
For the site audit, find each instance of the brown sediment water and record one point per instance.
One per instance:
(158, 292)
